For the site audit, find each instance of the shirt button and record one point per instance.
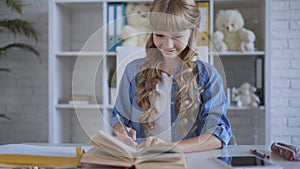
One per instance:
(223, 127)
(175, 71)
(172, 102)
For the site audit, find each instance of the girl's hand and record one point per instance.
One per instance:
(150, 141)
(122, 135)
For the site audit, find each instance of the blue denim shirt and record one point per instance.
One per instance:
(211, 114)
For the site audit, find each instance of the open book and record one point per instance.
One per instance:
(109, 151)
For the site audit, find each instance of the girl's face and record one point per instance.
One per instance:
(171, 44)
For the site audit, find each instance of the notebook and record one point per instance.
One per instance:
(35, 155)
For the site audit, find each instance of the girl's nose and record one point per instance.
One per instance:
(169, 43)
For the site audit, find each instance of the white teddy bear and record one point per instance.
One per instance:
(230, 34)
(244, 96)
(137, 30)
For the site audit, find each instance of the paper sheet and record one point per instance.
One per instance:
(24, 149)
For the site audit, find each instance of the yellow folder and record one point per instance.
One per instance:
(35, 160)
(204, 27)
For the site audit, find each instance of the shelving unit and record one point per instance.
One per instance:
(239, 67)
(79, 63)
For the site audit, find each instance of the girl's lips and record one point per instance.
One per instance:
(169, 51)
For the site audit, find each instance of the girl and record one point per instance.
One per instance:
(171, 95)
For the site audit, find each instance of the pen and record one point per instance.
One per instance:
(123, 125)
(259, 154)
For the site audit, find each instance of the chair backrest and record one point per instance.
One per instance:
(126, 54)
(232, 140)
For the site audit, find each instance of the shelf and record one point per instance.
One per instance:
(78, 53)
(255, 53)
(77, 1)
(110, 106)
(128, 1)
(79, 106)
(97, 1)
(239, 4)
(91, 106)
(111, 54)
(78, 33)
(246, 108)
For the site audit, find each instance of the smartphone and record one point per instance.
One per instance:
(245, 162)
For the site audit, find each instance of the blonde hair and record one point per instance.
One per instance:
(170, 16)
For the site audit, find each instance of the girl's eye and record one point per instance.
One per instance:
(178, 37)
(159, 35)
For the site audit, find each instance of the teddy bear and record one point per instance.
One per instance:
(230, 34)
(245, 96)
(137, 30)
(217, 41)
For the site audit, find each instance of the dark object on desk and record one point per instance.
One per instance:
(5, 117)
(243, 162)
(288, 151)
(260, 154)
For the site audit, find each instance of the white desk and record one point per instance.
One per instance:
(203, 159)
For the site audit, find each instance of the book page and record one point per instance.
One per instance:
(110, 151)
(163, 165)
(160, 148)
(165, 160)
(86, 148)
(99, 157)
(113, 145)
(160, 152)
(24, 149)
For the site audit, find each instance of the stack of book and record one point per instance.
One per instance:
(24, 155)
(80, 100)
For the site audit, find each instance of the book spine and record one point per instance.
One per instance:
(259, 78)
(203, 36)
(115, 22)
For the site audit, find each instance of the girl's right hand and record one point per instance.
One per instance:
(122, 135)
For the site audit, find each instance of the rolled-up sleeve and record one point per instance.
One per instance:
(215, 107)
(123, 104)
(123, 101)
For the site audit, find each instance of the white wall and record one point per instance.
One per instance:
(285, 71)
(24, 91)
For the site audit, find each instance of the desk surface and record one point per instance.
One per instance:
(203, 159)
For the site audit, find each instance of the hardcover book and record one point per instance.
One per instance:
(109, 151)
